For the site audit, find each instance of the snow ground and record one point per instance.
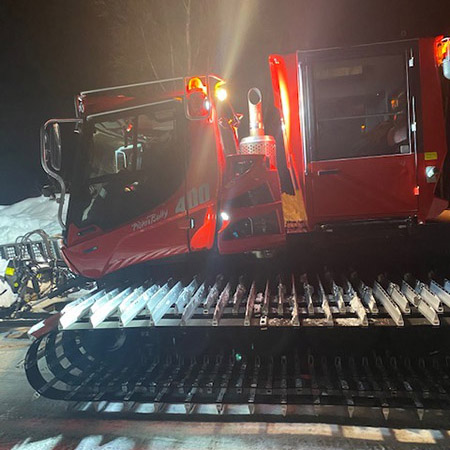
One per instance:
(28, 215)
(7, 297)
(21, 218)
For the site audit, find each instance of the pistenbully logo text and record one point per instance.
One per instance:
(149, 220)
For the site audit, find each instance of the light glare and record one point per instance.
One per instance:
(221, 94)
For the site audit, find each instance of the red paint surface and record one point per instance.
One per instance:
(287, 99)
(361, 188)
(203, 237)
(125, 245)
(432, 127)
(381, 186)
(257, 175)
(369, 187)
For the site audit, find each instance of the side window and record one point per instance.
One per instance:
(135, 164)
(161, 160)
(360, 107)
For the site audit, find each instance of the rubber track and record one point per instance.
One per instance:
(58, 366)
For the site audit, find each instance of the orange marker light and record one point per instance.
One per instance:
(441, 47)
(196, 84)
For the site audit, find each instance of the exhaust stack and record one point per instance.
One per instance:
(258, 143)
(256, 122)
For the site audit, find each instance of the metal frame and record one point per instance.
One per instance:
(49, 170)
(171, 303)
(128, 86)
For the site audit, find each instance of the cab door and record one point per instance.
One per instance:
(125, 208)
(360, 142)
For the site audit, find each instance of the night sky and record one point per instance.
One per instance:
(53, 49)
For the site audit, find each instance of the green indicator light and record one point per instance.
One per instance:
(238, 357)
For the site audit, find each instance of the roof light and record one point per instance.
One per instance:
(196, 84)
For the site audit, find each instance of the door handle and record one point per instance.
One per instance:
(328, 172)
(189, 226)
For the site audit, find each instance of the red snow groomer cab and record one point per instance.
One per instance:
(160, 172)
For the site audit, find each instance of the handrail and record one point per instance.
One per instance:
(51, 172)
(127, 86)
(145, 83)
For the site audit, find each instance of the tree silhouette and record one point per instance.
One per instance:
(154, 39)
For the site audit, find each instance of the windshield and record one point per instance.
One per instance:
(133, 164)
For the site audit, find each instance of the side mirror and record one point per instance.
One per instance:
(197, 103)
(54, 146)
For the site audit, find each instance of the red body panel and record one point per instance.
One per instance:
(285, 82)
(203, 181)
(257, 176)
(433, 130)
(361, 188)
(160, 233)
(368, 187)
(164, 231)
